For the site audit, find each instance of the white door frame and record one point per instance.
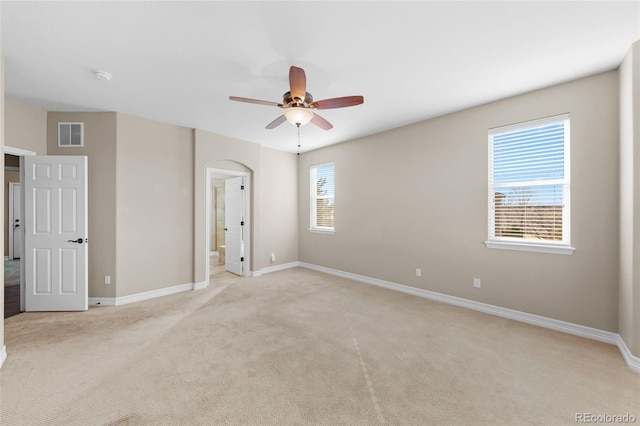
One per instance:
(11, 219)
(246, 270)
(20, 153)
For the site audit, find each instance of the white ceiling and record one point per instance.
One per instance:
(178, 62)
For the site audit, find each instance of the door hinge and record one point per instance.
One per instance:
(242, 223)
(242, 259)
(242, 187)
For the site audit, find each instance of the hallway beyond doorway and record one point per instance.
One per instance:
(11, 287)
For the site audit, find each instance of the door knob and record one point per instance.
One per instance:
(79, 241)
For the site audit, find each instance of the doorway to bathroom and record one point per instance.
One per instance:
(228, 235)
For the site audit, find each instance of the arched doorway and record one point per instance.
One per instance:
(228, 239)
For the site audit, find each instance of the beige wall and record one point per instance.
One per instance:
(273, 198)
(154, 205)
(416, 197)
(216, 151)
(26, 126)
(100, 148)
(140, 201)
(629, 287)
(280, 207)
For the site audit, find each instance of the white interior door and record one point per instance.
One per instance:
(234, 224)
(15, 220)
(55, 233)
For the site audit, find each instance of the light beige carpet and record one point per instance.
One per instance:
(298, 347)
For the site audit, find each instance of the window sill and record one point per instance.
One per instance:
(322, 231)
(540, 248)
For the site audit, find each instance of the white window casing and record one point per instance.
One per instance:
(529, 193)
(322, 198)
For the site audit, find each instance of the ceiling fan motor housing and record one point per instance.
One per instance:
(288, 101)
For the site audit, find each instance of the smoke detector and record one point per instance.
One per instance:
(101, 75)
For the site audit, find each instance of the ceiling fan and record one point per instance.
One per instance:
(298, 104)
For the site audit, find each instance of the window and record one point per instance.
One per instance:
(71, 134)
(529, 186)
(322, 198)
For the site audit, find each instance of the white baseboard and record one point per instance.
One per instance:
(102, 301)
(578, 330)
(273, 268)
(138, 297)
(146, 295)
(3, 355)
(281, 267)
(632, 361)
(201, 285)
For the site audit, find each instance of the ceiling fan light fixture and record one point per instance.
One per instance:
(298, 105)
(298, 116)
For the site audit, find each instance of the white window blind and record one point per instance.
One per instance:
(529, 185)
(322, 192)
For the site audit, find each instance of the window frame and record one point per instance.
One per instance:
(313, 198)
(514, 243)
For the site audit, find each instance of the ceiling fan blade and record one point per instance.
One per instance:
(345, 101)
(297, 83)
(321, 122)
(275, 123)
(253, 101)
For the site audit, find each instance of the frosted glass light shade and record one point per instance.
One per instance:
(298, 116)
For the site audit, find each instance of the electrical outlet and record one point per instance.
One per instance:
(418, 272)
(107, 279)
(476, 282)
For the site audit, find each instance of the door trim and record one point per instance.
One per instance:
(210, 172)
(11, 218)
(17, 151)
(20, 153)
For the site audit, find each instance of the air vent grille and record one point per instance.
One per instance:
(70, 134)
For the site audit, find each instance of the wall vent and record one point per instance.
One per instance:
(70, 134)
